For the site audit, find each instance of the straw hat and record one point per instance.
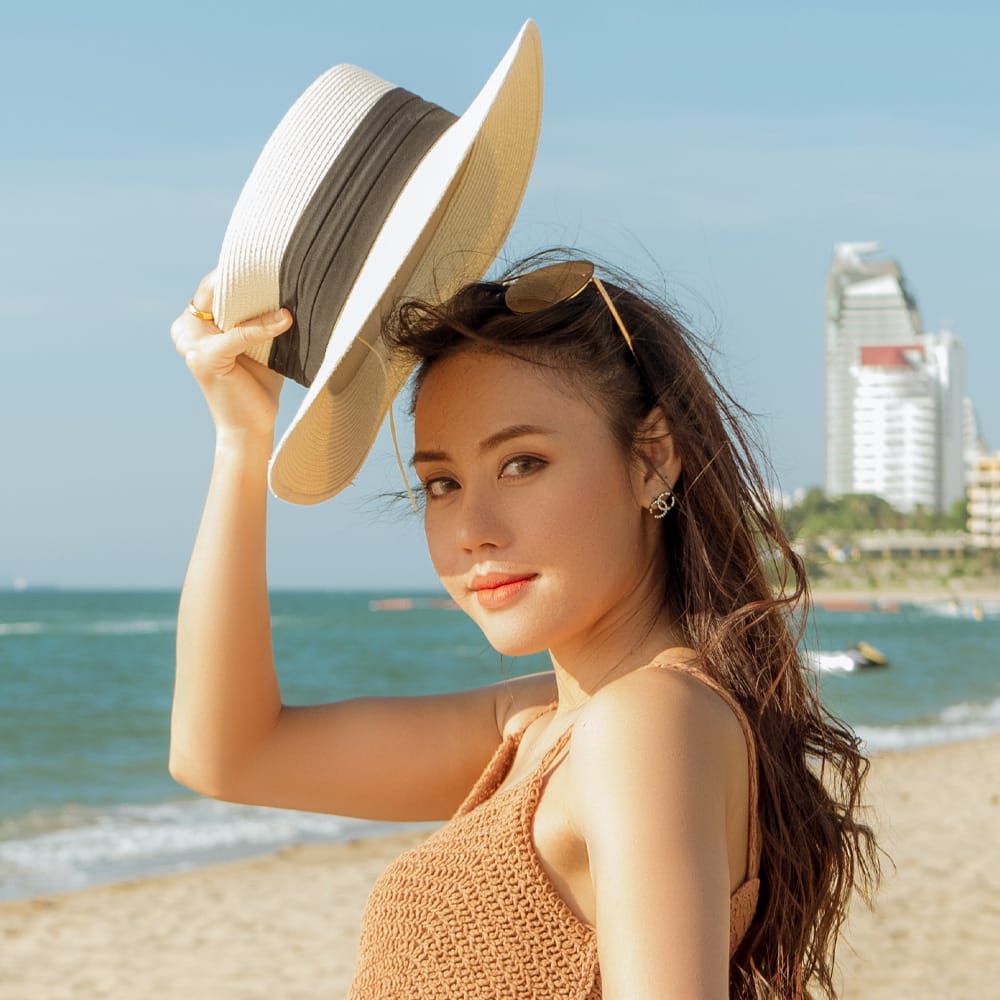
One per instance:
(363, 196)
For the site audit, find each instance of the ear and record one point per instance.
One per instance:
(659, 464)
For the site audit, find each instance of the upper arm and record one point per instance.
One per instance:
(657, 763)
(407, 758)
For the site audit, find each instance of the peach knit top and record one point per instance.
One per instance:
(470, 914)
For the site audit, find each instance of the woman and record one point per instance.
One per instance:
(668, 812)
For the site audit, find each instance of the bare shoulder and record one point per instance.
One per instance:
(658, 762)
(661, 714)
(520, 699)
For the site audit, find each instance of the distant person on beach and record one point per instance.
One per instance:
(648, 818)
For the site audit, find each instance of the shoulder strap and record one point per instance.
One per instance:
(553, 751)
(535, 782)
(544, 710)
(753, 834)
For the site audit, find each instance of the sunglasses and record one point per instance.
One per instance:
(556, 283)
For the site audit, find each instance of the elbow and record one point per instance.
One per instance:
(217, 766)
(185, 772)
(198, 776)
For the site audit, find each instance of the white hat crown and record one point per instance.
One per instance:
(365, 195)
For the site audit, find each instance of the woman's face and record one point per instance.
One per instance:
(534, 516)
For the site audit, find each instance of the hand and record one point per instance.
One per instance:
(242, 395)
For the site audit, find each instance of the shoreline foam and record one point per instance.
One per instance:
(286, 924)
(76, 848)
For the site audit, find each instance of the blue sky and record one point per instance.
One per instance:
(721, 147)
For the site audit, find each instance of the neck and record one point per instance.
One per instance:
(628, 636)
(612, 650)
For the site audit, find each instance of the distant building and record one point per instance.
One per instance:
(894, 426)
(973, 445)
(948, 359)
(910, 544)
(984, 502)
(896, 423)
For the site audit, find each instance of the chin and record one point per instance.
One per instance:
(517, 649)
(514, 631)
(512, 642)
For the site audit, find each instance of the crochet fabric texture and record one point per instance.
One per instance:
(470, 914)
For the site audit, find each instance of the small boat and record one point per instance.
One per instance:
(870, 656)
(861, 656)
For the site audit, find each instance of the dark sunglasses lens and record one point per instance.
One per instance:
(548, 285)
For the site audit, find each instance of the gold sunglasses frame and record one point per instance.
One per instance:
(555, 283)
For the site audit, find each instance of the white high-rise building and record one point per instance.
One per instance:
(867, 305)
(895, 423)
(894, 411)
(947, 359)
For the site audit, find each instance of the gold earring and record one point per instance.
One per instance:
(663, 504)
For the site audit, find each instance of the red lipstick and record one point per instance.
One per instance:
(495, 590)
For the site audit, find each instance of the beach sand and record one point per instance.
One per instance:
(968, 594)
(935, 929)
(285, 926)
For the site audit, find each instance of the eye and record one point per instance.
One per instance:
(438, 487)
(521, 466)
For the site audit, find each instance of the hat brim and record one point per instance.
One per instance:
(444, 230)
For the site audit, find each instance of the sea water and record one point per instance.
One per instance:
(85, 688)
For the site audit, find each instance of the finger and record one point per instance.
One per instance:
(187, 329)
(217, 353)
(256, 331)
(203, 297)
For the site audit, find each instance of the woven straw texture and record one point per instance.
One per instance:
(475, 175)
(311, 135)
(444, 230)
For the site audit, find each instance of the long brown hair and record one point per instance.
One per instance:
(734, 586)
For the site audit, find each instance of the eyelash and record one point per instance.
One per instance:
(532, 461)
(432, 483)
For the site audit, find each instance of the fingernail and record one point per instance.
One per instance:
(277, 318)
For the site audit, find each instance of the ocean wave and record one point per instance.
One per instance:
(21, 628)
(843, 661)
(829, 661)
(132, 626)
(964, 721)
(110, 626)
(73, 848)
(974, 610)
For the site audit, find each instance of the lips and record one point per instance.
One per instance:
(495, 590)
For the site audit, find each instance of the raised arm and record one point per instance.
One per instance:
(231, 737)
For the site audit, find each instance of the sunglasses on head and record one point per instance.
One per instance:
(532, 292)
(556, 283)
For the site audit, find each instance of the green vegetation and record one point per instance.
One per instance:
(818, 516)
(944, 573)
(861, 542)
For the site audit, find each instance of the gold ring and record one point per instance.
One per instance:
(200, 313)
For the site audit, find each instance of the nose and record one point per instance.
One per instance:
(481, 523)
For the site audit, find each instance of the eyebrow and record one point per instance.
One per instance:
(488, 444)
